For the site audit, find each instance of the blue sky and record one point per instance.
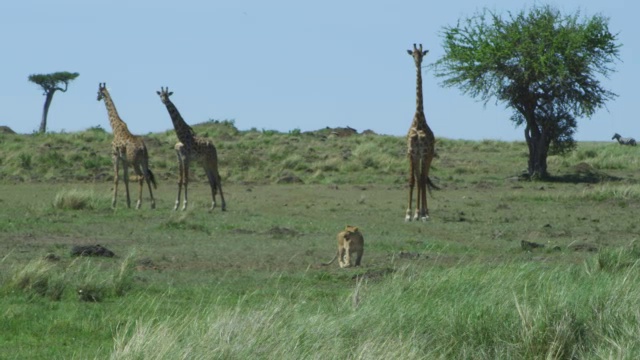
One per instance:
(277, 65)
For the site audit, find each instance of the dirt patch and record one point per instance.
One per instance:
(278, 231)
(289, 178)
(146, 264)
(242, 231)
(582, 247)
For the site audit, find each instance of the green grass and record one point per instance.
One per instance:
(247, 283)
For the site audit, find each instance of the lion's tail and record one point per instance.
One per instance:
(332, 260)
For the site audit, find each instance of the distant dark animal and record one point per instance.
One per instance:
(91, 250)
(623, 140)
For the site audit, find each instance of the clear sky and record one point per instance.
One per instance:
(275, 65)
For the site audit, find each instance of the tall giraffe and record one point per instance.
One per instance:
(191, 147)
(420, 143)
(127, 149)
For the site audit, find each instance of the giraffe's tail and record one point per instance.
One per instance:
(431, 185)
(152, 178)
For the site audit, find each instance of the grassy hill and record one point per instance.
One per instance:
(318, 157)
(504, 269)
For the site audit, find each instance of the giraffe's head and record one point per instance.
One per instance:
(102, 89)
(164, 94)
(417, 54)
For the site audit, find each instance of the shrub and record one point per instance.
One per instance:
(82, 278)
(52, 160)
(122, 279)
(95, 162)
(617, 259)
(39, 278)
(75, 200)
(25, 161)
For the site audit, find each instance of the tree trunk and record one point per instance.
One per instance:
(538, 151)
(45, 111)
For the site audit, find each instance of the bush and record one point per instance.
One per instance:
(52, 160)
(75, 200)
(612, 260)
(82, 278)
(39, 278)
(25, 161)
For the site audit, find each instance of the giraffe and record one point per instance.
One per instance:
(420, 143)
(127, 149)
(191, 147)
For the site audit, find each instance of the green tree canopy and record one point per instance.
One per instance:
(51, 83)
(544, 65)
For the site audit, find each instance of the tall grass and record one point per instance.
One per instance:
(475, 311)
(38, 277)
(75, 199)
(81, 278)
(610, 156)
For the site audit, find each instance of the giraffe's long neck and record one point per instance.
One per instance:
(117, 125)
(183, 130)
(419, 101)
(419, 120)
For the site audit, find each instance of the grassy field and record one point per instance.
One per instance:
(247, 283)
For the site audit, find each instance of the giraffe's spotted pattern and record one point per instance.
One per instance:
(127, 149)
(192, 148)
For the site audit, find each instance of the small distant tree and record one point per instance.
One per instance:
(541, 64)
(50, 83)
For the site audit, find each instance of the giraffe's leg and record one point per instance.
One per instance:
(219, 182)
(180, 179)
(116, 165)
(185, 180)
(425, 184)
(416, 184)
(147, 177)
(412, 180)
(140, 179)
(417, 213)
(125, 177)
(215, 183)
(214, 187)
(424, 212)
(419, 197)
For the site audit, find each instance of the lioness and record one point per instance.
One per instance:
(349, 241)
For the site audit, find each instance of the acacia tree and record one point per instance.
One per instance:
(50, 83)
(543, 65)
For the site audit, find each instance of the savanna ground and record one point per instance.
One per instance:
(247, 283)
